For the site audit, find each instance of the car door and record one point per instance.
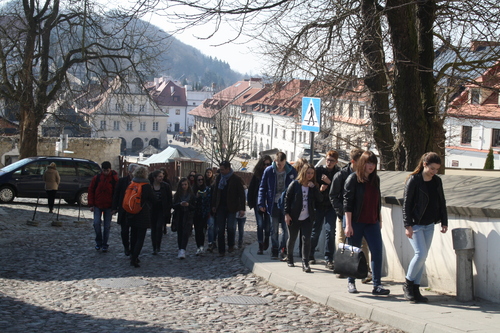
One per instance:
(69, 185)
(29, 180)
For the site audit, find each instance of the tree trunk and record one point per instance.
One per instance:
(28, 133)
(436, 139)
(412, 122)
(376, 82)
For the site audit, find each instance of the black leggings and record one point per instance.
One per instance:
(157, 223)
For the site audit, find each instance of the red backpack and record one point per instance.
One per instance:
(132, 199)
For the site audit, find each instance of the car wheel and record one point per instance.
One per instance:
(82, 198)
(7, 194)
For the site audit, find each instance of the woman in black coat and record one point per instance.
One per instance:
(161, 210)
(140, 222)
(300, 202)
(184, 206)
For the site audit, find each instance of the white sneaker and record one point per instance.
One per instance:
(182, 254)
(199, 252)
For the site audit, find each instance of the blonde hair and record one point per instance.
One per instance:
(302, 174)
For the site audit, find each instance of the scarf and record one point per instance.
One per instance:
(224, 178)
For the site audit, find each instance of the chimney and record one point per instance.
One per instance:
(172, 90)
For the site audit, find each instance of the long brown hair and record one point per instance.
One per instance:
(367, 157)
(259, 168)
(302, 174)
(427, 158)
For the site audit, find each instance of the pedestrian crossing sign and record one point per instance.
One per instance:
(311, 114)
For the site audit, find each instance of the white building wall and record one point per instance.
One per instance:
(471, 155)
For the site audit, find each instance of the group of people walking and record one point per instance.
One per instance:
(300, 199)
(304, 200)
(211, 204)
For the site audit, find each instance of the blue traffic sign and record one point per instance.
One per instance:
(311, 114)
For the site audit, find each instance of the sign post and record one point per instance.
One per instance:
(311, 119)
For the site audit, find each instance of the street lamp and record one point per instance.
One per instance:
(213, 130)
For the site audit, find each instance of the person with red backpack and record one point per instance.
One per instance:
(137, 202)
(100, 198)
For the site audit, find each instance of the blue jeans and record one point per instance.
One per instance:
(328, 218)
(421, 243)
(278, 219)
(373, 237)
(101, 238)
(263, 225)
(241, 228)
(211, 230)
(225, 219)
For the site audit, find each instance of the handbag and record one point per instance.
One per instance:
(350, 261)
(173, 225)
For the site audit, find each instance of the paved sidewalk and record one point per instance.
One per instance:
(442, 313)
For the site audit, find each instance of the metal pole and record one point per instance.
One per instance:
(36, 206)
(311, 157)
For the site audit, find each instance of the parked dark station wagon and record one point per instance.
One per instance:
(24, 178)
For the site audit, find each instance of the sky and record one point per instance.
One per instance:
(236, 54)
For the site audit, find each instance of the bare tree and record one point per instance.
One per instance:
(41, 42)
(335, 41)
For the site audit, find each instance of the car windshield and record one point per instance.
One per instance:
(15, 165)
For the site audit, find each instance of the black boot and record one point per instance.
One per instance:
(305, 266)
(290, 262)
(261, 248)
(408, 290)
(418, 296)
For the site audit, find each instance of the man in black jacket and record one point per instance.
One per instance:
(325, 214)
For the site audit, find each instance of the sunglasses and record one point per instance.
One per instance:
(200, 179)
(267, 164)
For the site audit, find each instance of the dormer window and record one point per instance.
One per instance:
(475, 95)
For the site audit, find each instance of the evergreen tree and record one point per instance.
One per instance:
(489, 164)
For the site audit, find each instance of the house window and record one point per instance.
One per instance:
(275, 132)
(256, 127)
(118, 107)
(293, 137)
(361, 111)
(348, 142)
(129, 125)
(142, 108)
(474, 96)
(116, 125)
(495, 138)
(351, 110)
(178, 111)
(176, 98)
(300, 136)
(103, 124)
(142, 126)
(338, 141)
(268, 129)
(129, 108)
(155, 126)
(284, 134)
(261, 128)
(359, 142)
(466, 135)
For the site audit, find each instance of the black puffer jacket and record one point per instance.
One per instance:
(416, 199)
(293, 200)
(337, 190)
(354, 193)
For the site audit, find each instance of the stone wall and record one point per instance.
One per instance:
(95, 149)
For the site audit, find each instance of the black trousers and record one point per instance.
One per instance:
(137, 236)
(51, 197)
(157, 223)
(305, 229)
(200, 226)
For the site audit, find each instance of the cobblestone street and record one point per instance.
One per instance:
(52, 280)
